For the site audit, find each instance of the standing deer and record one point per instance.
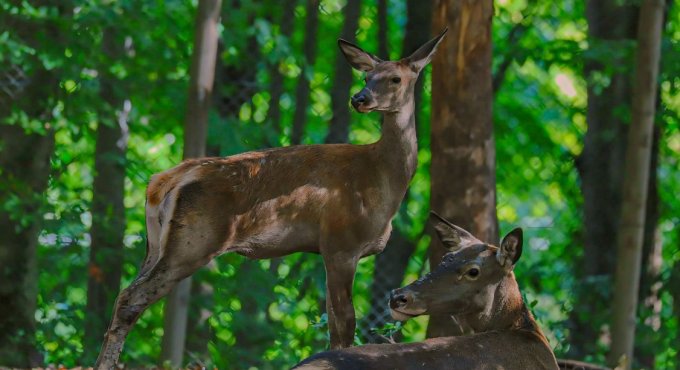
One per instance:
(475, 284)
(336, 200)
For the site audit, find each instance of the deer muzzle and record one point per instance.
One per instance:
(362, 101)
(404, 304)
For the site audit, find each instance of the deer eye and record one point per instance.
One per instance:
(396, 80)
(473, 272)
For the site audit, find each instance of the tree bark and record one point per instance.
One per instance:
(302, 89)
(674, 290)
(236, 81)
(638, 155)
(463, 176)
(390, 265)
(342, 82)
(652, 259)
(600, 167)
(108, 211)
(25, 163)
(652, 253)
(202, 77)
(383, 30)
(287, 23)
(418, 27)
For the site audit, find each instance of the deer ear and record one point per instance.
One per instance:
(511, 249)
(358, 58)
(452, 236)
(421, 57)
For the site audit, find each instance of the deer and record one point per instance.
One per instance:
(336, 200)
(475, 284)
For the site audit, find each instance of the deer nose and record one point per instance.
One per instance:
(400, 299)
(358, 99)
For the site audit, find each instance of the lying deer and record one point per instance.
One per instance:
(337, 200)
(474, 284)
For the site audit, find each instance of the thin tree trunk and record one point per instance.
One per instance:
(201, 82)
(390, 265)
(383, 30)
(253, 330)
(638, 154)
(652, 252)
(303, 88)
(342, 82)
(108, 211)
(25, 163)
(463, 176)
(287, 23)
(418, 32)
(235, 82)
(652, 248)
(674, 290)
(600, 167)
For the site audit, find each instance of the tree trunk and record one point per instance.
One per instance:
(600, 167)
(25, 163)
(287, 23)
(418, 27)
(390, 265)
(463, 176)
(652, 252)
(236, 82)
(342, 82)
(674, 290)
(303, 88)
(202, 76)
(383, 30)
(638, 155)
(108, 211)
(652, 259)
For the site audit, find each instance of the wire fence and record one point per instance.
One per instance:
(13, 81)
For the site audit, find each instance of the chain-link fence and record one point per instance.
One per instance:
(13, 81)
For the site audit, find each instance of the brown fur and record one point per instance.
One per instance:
(497, 330)
(337, 200)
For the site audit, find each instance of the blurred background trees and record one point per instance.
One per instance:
(93, 97)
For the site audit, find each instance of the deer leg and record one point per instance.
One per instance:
(131, 303)
(340, 271)
(147, 288)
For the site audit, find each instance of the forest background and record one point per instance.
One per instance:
(93, 97)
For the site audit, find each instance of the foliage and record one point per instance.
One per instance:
(274, 306)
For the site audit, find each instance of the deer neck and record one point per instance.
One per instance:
(507, 311)
(398, 145)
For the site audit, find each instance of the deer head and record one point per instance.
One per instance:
(389, 84)
(466, 279)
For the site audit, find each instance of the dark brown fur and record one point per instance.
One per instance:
(497, 330)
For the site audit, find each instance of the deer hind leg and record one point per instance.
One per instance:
(130, 304)
(135, 299)
(340, 269)
(186, 249)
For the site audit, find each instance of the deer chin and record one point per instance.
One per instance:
(365, 109)
(404, 316)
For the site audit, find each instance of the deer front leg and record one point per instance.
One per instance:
(339, 280)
